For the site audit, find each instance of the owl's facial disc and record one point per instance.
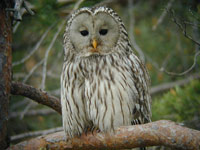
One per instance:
(94, 34)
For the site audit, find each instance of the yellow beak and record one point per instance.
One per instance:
(94, 43)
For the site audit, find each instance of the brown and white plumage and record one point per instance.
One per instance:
(103, 86)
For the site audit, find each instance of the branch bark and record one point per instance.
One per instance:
(162, 132)
(37, 95)
(5, 69)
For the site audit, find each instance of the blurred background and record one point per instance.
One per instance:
(164, 34)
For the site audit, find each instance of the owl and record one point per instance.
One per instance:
(103, 83)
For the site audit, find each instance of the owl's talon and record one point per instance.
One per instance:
(95, 130)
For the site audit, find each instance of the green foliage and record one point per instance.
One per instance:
(46, 11)
(179, 104)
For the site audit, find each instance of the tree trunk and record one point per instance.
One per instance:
(5, 69)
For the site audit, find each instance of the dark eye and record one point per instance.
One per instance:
(103, 31)
(84, 33)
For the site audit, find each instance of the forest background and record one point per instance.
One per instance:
(164, 34)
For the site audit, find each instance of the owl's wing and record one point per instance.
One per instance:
(142, 110)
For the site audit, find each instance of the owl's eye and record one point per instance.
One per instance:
(84, 32)
(103, 31)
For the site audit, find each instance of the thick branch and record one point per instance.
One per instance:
(162, 132)
(38, 95)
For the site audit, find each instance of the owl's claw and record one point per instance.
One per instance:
(95, 130)
(92, 130)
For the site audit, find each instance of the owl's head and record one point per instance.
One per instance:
(94, 31)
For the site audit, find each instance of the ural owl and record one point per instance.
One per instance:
(103, 83)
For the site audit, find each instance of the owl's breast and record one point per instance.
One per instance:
(110, 94)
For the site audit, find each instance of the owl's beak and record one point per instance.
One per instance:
(94, 43)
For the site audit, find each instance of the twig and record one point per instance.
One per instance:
(78, 3)
(162, 16)
(34, 134)
(196, 17)
(184, 72)
(37, 95)
(155, 64)
(131, 27)
(19, 104)
(32, 70)
(34, 49)
(181, 27)
(76, 6)
(166, 86)
(23, 10)
(51, 72)
(104, 3)
(15, 27)
(47, 54)
(30, 104)
(161, 132)
(166, 59)
(17, 9)
(27, 8)
(55, 92)
(192, 24)
(35, 112)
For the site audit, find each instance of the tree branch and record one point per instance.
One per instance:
(34, 134)
(47, 54)
(44, 98)
(37, 95)
(35, 48)
(162, 16)
(34, 112)
(162, 132)
(182, 27)
(166, 86)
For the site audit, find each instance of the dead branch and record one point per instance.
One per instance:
(17, 9)
(186, 71)
(32, 70)
(162, 16)
(37, 95)
(34, 134)
(47, 54)
(182, 27)
(166, 86)
(26, 109)
(104, 3)
(162, 132)
(35, 48)
(34, 112)
(131, 28)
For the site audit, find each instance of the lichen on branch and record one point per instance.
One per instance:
(162, 132)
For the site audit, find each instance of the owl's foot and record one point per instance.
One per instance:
(87, 130)
(92, 130)
(95, 130)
